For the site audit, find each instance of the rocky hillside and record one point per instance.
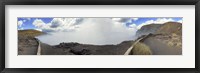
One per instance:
(27, 44)
(166, 28)
(170, 28)
(170, 33)
(165, 39)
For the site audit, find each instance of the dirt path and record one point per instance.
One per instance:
(128, 52)
(160, 48)
(39, 48)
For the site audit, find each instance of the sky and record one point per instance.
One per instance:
(98, 31)
(33, 23)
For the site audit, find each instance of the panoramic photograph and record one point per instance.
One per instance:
(99, 35)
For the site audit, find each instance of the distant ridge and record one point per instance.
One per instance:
(170, 27)
(29, 32)
(146, 29)
(166, 28)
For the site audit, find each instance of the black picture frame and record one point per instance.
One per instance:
(99, 2)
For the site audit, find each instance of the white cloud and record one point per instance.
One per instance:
(133, 26)
(180, 21)
(38, 23)
(158, 21)
(24, 20)
(58, 24)
(28, 19)
(122, 20)
(38, 29)
(20, 23)
(21, 28)
(135, 19)
(97, 31)
(118, 19)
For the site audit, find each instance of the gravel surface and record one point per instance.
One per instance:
(85, 49)
(27, 45)
(160, 48)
